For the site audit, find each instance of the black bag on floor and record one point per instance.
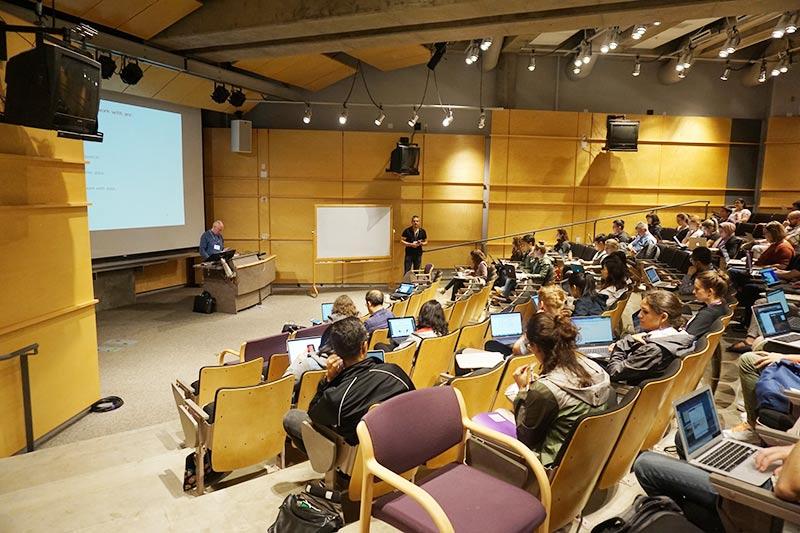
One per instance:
(651, 514)
(305, 513)
(204, 303)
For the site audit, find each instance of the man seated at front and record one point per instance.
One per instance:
(212, 241)
(378, 315)
(352, 384)
(643, 238)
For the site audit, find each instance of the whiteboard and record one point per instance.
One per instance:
(353, 232)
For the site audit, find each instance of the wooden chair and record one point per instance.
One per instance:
(616, 314)
(435, 356)
(246, 427)
(399, 307)
(511, 366)
(473, 336)
(582, 457)
(525, 310)
(459, 309)
(479, 391)
(415, 301)
(278, 364)
(313, 331)
(404, 358)
(308, 388)
(201, 392)
(444, 425)
(448, 312)
(637, 427)
(378, 336)
(422, 275)
(253, 349)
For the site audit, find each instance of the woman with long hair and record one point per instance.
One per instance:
(683, 226)
(614, 277)
(711, 290)
(556, 391)
(562, 245)
(654, 225)
(479, 273)
(588, 302)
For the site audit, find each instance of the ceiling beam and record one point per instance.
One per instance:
(628, 41)
(751, 32)
(517, 43)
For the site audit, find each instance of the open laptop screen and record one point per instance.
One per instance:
(698, 420)
(297, 347)
(771, 319)
(326, 311)
(778, 296)
(401, 327)
(506, 324)
(652, 275)
(405, 288)
(770, 276)
(593, 330)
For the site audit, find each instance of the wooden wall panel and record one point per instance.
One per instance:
(779, 179)
(240, 216)
(305, 154)
(161, 276)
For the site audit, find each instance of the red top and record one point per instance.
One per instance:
(779, 253)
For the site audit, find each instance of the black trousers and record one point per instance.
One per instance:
(412, 261)
(456, 284)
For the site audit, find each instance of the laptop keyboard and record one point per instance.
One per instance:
(728, 456)
(596, 351)
(794, 323)
(790, 337)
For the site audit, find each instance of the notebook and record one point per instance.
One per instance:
(401, 328)
(506, 328)
(704, 444)
(594, 335)
(298, 347)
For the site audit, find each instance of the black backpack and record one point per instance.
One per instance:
(306, 513)
(651, 514)
(204, 303)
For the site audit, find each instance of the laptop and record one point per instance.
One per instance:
(401, 328)
(655, 280)
(770, 277)
(705, 446)
(774, 324)
(594, 335)
(377, 354)
(695, 242)
(506, 327)
(327, 308)
(403, 291)
(298, 347)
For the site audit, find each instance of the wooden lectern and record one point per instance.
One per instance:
(249, 285)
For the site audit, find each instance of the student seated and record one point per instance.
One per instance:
(643, 238)
(479, 273)
(352, 384)
(683, 226)
(600, 248)
(690, 488)
(378, 315)
(695, 230)
(569, 386)
(635, 358)
(700, 261)
(710, 289)
(562, 245)
(430, 323)
(517, 249)
(740, 212)
(749, 292)
(613, 278)
(710, 231)
(541, 267)
(728, 243)
(588, 302)
(612, 245)
(654, 225)
(618, 231)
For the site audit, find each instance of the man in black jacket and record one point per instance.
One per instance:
(352, 385)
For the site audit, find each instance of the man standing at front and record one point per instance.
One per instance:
(212, 242)
(413, 238)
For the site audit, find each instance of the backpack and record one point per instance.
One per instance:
(306, 513)
(652, 514)
(204, 303)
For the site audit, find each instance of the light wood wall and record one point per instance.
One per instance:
(266, 199)
(47, 279)
(780, 180)
(547, 168)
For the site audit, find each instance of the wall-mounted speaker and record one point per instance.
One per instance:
(241, 136)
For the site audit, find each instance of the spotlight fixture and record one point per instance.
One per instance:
(762, 74)
(637, 67)
(343, 116)
(380, 118)
(783, 66)
(577, 61)
(471, 54)
(414, 119)
(237, 98)
(731, 43)
(439, 50)
(613, 42)
(638, 31)
(307, 115)
(576, 70)
(586, 52)
(482, 120)
(684, 59)
(605, 48)
(791, 26)
(682, 74)
(657, 23)
(107, 66)
(776, 70)
(448, 118)
(532, 63)
(726, 72)
(486, 44)
(131, 73)
(220, 94)
(781, 26)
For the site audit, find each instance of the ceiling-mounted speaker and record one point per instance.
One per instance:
(241, 136)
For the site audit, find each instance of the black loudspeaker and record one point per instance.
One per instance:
(405, 158)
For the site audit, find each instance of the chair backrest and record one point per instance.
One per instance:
(637, 427)
(404, 358)
(582, 457)
(278, 364)
(479, 390)
(265, 346)
(402, 438)
(616, 313)
(472, 336)
(379, 335)
(248, 424)
(213, 378)
(435, 355)
(511, 366)
(477, 305)
(414, 303)
(313, 331)
(399, 307)
(457, 315)
(428, 268)
(308, 388)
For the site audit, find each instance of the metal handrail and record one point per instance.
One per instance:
(23, 354)
(570, 224)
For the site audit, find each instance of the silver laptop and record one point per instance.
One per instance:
(774, 324)
(656, 281)
(594, 335)
(506, 327)
(298, 347)
(401, 328)
(698, 427)
(777, 295)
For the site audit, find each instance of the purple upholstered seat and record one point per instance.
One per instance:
(313, 331)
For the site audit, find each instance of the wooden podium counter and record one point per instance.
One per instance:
(249, 286)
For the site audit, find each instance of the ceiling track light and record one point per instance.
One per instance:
(586, 52)
(414, 118)
(107, 65)
(131, 73)
(682, 74)
(784, 64)
(343, 115)
(762, 73)
(448, 118)
(727, 72)
(237, 98)
(220, 94)
(532, 63)
(307, 115)
(791, 26)
(781, 26)
(637, 67)
(472, 53)
(486, 43)
(613, 42)
(381, 117)
(638, 31)
(576, 70)
(482, 120)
